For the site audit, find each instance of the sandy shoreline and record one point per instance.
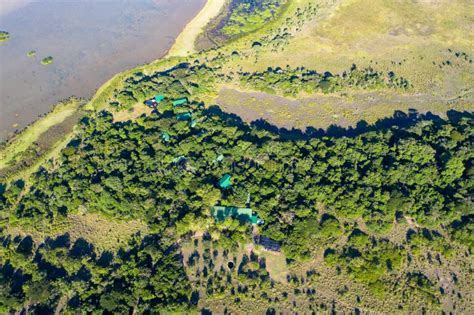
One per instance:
(184, 43)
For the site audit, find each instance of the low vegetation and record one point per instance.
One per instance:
(26, 148)
(238, 19)
(292, 82)
(47, 60)
(4, 36)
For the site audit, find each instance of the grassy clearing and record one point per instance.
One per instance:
(31, 134)
(104, 233)
(184, 44)
(275, 261)
(410, 38)
(322, 111)
(416, 40)
(276, 264)
(136, 111)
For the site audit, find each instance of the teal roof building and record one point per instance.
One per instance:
(179, 159)
(159, 98)
(219, 158)
(224, 182)
(180, 101)
(242, 214)
(184, 116)
(165, 136)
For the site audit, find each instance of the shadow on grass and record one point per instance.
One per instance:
(399, 119)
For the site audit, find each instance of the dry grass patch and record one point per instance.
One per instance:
(276, 265)
(322, 111)
(401, 36)
(104, 233)
(136, 111)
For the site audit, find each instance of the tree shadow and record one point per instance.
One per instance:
(82, 248)
(398, 119)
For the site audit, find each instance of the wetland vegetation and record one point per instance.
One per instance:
(47, 60)
(4, 36)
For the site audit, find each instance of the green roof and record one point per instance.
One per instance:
(243, 214)
(165, 136)
(224, 182)
(180, 101)
(159, 98)
(184, 116)
(178, 159)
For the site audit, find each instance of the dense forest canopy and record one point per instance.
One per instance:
(311, 191)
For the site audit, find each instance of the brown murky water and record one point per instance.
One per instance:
(90, 40)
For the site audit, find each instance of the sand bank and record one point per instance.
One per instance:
(184, 43)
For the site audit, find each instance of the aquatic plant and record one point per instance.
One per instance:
(4, 36)
(46, 61)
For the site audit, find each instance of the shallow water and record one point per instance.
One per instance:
(90, 40)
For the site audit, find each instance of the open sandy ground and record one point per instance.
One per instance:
(184, 43)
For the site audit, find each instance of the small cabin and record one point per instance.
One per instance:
(267, 243)
(224, 182)
(184, 116)
(180, 101)
(243, 214)
(179, 159)
(159, 98)
(165, 136)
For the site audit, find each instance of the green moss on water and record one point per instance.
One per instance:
(46, 61)
(31, 53)
(4, 36)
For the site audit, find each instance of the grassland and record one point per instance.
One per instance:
(105, 233)
(324, 111)
(421, 41)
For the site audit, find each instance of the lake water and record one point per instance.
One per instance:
(90, 41)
